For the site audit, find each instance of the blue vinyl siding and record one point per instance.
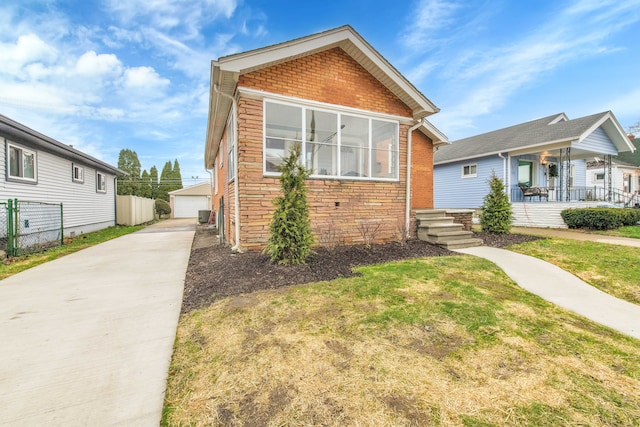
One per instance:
(453, 191)
(597, 142)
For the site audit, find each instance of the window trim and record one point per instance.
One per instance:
(470, 175)
(98, 182)
(231, 160)
(75, 167)
(340, 113)
(22, 149)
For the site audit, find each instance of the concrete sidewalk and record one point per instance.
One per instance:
(87, 339)
(564, 289)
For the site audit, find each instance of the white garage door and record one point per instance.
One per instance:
(188, 206)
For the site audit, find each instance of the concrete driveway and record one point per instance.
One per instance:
(86, 340)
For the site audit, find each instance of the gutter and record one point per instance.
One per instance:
(407, 213)
(236, 202)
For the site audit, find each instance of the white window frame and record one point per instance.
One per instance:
(394, 160)
(77, 177)
(469, 166)
(596, 178)
(22, 151)
(101, 182)
(231, 160)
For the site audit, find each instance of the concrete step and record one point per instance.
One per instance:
(431, 213)
(424, 233)
(449, 236)
(425, 222)
(459, 244)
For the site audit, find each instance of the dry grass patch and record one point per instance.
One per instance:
(443, 341)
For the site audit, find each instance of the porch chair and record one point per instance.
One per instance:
(530, 192)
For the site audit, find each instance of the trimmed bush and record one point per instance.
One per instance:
(600, 218)
(496, 215)
(291, 237)
(162, 207)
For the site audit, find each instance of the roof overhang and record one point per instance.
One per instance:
(20, 133)
(438, 138)
(226, 72)
(613, 130)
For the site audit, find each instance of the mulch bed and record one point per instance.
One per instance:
(215, 272)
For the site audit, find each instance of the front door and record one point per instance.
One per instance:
(525, 172)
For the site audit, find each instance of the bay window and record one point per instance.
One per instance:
(333, 144)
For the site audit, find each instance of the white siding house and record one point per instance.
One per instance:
(37, 168)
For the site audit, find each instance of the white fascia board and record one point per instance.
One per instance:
(434, 133)
(531, 149)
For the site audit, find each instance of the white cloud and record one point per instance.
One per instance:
(27, 49)
(486, 79)
(187, 16)
(429, 18)
(144, 79)
(94, 65)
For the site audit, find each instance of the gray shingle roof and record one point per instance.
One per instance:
(536, 132)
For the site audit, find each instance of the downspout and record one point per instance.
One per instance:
(211, 183)
(504, 174)
(407, 213)
(236, 202)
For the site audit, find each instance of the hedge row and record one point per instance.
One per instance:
(600, 218)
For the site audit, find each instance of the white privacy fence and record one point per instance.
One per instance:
(133, 210)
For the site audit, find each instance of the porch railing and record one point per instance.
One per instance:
(581, 194)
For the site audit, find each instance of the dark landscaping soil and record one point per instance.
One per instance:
(215, 272)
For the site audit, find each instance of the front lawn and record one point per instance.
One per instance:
(613, 269)
(434, 341)
(630, 231)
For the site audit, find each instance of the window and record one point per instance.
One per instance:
(470, 171)
(599, 176)
(22, 164)
(77, 173)
(101, 182)
(230, 145)
(334, 144)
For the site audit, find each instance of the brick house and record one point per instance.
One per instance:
(360, 123)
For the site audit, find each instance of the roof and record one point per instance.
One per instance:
(226, 71)
(20, 133)
(202, 189)
(535, 135)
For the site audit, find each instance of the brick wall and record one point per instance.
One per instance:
(331, 76)
(421, 171)
(341, 211)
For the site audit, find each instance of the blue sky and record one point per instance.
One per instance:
(112, 74)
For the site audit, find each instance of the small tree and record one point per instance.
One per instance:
(291, 237)
(496, 215)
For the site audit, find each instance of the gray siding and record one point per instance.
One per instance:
(84, 209)
(598, 142)
(453, 191)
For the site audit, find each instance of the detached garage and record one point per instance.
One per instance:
(186, 202)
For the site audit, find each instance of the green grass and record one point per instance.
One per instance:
(631, 231)
(614, 269)
(443, 340)
(17, 264)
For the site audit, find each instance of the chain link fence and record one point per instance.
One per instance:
(4, 227)
(32, 226)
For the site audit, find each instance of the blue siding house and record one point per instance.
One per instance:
(543, 161)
